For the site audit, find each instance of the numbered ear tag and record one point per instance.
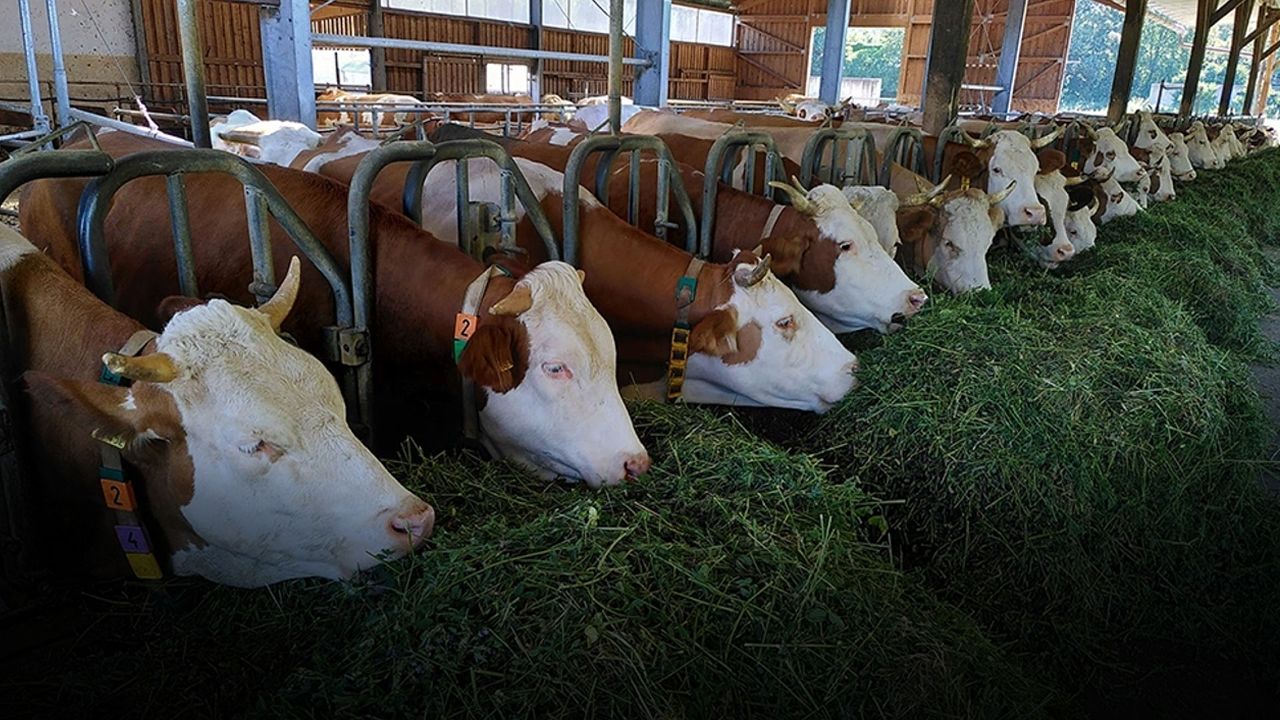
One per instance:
(464, 326)
(132, 539)
(145, 566)
(119, 495)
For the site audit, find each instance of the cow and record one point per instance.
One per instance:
(271, 141)
(1226, 144)
(806, 108)
(238, 462)
(880, 207)
(1082, 205)
(1201, 150)
(541, 361)
(404, 110)
(1114, 201)
(946, 234)
(1157, 186)
(1179, 158)
(1051, 186)
(721, 115)
(1111, 157)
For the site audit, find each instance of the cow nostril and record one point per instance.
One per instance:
(636, 465)
(851, 367)
(413, 526)
(917, 299)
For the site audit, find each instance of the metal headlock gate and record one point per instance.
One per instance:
(722, 159)
(949, 134)
(852, 157)
(905, 147)
(669, 183)
(346, 344)
(14, 465)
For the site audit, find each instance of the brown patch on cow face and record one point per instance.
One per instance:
(1099, 159)
(1155, 182)
(1051, 160)
(716, 334)
(497, 355)
(787, 253)
(749, 338)
(1103, 199)
(1141, 155)
(817, 270)
(967, 165)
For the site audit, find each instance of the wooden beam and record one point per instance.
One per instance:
(377, 56)
(1264, 87)
(1251, 86)
(1204, 11)
(1244, 11)
(1226, 8)
(1135, 14)
(944, 71)
(1271, 50)
(786, 81)
(1260, 32)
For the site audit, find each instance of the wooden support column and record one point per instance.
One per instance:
(1266, 18)
(377, 56)
(1204, 20)
(944, 68)
(1264, 88)
(535, 43)
(1239, 31)
(1135, 13)
(1010, 50)
(833, 50)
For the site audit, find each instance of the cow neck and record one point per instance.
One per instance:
(742, 222)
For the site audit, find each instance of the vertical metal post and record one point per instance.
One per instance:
(61, 95)
(615, 66)
(180, 224)
(1204, 12)
(286, 45)
(1251, 86)
(535, 42)
(140, 47)
(1010, 51)
(39, 121)
(1238, 32)
(377, 56)
(193, 72)
(653, 43)
(944, 73)
(833, 50)
(1135, 13)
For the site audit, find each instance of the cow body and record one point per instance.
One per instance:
(403, 112)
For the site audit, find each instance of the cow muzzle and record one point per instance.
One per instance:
(412, 525)
(635, 466)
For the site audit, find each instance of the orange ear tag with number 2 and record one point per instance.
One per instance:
(464, 326)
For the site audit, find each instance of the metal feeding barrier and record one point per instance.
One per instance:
(905, 147)
(852, 154)
(346, 344)
(669, 183)
(949, 134)
(719, 168)
(14, 464)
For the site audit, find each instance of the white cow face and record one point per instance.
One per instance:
(880, 207)
(1180, 158)
(1081, 231)
(864, 288)
(279, 486)
(1052, 187)
(966, 225)
(1150, 136)
(1201, 150)
(764, 349)
(1119, 202)
(548, 368)
(1013, 160)
(1112, 154)
(276, 142)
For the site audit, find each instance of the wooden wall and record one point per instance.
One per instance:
(233, 53)
(773, 52)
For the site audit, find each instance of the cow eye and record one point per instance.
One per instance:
(557, 371)
(786, 324)
(997, 171)
(1153, 133)
(1117, 198)
(262, 448)
(1111, 154)
(846, 246)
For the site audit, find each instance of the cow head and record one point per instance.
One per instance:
(843, 274)
(242, 437)
(880, 207)
(1200, 148)
(1119, 203)
(1150, 136)
(951, 232)
(1111, 157)
(276, 142)
(546, 364)
(1051, 187)
(1012, 166)
(1180, 158)
(763, 348)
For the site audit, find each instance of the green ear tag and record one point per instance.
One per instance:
(458, 345)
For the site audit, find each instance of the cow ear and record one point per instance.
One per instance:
(913, 222)
(716, 334)
(112, 411)
(787, 253)
(1099, 158)
(173, 305)
(967, 165)
(497, 355)
(1051, 160)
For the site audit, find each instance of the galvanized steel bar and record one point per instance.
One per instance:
(264, 274)
(95, 119)
(22, 169)
(633, 192)
(330, 39)
(721, 160)
(60, 92)
(180, 225)
(462, 200)
(1010, 50)
(615, 66)
(193, 72)
(39, 121)
(833, 50)
(653, 38)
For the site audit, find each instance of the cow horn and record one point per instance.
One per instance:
(1093, 134)
(1093, 206)
(519, 300)
(1000, 196)
(1077, 180)
(242, 137)
(746, 278)
(857, 203)
(799, 199)
(1047, 140)
(155, 368)
(277, 308)
(972, 141)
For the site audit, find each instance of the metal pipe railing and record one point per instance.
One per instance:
(193, 73)
(59, 66)
(331, 40)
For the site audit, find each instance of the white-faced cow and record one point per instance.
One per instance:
(946, 235)
(880, 207)
(1180, 158)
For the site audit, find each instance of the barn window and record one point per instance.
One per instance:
(506, 79)
(697, 25)
(586, 15)
(348, 68)
(510, 10)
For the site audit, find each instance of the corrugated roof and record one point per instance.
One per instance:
(1184, 11)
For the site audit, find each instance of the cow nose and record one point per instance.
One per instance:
(1065, 253)
(1034, 214)
(916, 299)
(851, 367)
(413, 525)
(636, 465)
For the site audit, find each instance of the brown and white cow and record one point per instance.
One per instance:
(270, 141)
(1201, 148)
(1111, 158)
(1180, 158)
(946, 234)
(1051, 186)
(542, 360)
(242, 466)
(404, 109)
